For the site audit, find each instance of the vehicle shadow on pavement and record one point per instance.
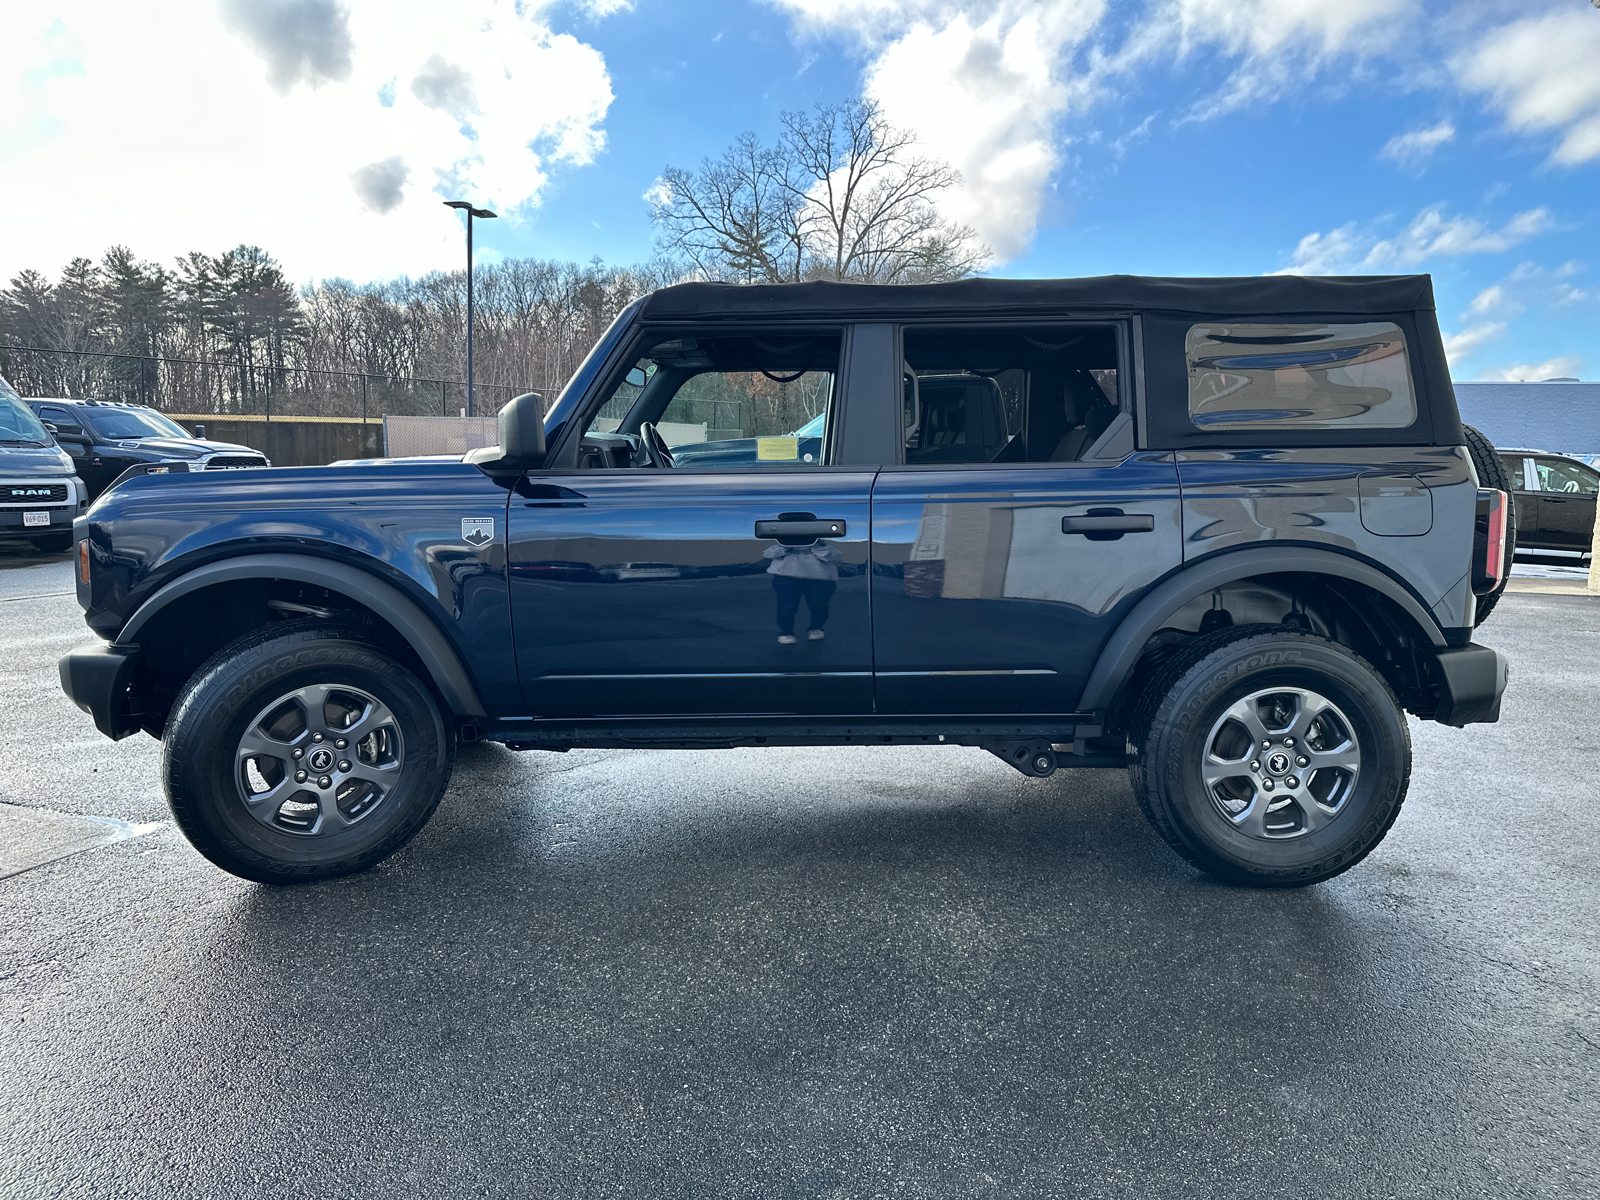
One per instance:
(840, 979)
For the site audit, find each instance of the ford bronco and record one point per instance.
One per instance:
(1223, 532)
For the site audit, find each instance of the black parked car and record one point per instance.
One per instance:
(1555, 499)
(105, 438)
(1224, 532)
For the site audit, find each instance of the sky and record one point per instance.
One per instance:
(1159, 137)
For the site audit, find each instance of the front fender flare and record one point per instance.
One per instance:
(1121, 653)
(427, 642)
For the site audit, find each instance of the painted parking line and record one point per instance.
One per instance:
(31, 837)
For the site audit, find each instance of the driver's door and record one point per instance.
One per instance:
(733, 581)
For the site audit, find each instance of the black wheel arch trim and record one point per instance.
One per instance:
(1195, 579)
(408, 618)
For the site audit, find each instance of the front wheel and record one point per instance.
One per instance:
(301, 752)
(1271, 757)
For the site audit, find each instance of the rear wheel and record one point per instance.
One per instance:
(301, 752)
(1492, 474)
(1271, 757)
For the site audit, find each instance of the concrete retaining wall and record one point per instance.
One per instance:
(294, 441)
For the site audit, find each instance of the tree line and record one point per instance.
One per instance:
(842, 195)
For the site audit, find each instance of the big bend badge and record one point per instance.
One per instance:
(477, 531)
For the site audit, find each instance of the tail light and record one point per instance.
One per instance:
(1489, 541)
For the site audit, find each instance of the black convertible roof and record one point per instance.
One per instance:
(1229, 296)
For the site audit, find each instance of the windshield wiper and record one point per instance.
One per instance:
(21, 442)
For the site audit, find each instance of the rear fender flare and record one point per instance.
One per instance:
(1121, 653)
(427, 642)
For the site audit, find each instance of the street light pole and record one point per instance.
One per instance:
(471, 212)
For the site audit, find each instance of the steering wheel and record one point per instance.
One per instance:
(655, 446)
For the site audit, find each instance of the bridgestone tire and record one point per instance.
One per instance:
(53, 543)
(1492, 474)
(1192, 693)
(200, 764)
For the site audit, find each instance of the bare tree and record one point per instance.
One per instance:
(843, 195)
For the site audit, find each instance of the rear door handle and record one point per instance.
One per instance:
(1106, 525)
(811, 529)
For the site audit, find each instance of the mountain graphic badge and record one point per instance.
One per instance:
(477, 531)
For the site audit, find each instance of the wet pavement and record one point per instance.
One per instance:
(813, 972)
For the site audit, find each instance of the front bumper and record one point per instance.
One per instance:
(96, 679)
(1472, 679)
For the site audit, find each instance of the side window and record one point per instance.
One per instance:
(1513, 468)
(1007, 395)
(1299, 377)
(1569, 478)
(58, 417)
(722, 401)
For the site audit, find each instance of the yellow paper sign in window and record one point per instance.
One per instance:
(777, 449)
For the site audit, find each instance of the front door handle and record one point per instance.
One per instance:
(811, 528)
(1104, 525)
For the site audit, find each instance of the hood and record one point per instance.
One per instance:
(391, 462)
(35, 460)
(184, 447)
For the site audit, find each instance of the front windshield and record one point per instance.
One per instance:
(117, 423)
(18, 424)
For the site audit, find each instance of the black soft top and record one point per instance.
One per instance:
(1341, 295)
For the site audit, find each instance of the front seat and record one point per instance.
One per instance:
(1087, 402)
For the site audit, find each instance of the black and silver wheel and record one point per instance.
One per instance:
(301, 753)
(1270, 756)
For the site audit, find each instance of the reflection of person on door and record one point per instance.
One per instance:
(808, 571)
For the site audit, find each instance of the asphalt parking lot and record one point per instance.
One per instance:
(809, 973)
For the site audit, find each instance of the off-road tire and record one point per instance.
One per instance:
(1492, 474)
(224, 697)
(1190, 694)
(53, 543)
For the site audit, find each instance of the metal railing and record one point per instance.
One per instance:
(220, 388)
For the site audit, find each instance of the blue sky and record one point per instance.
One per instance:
(1152, 137)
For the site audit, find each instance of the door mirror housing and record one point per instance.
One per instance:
(521, 445)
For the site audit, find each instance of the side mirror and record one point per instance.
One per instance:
(200, 431)
(521, 445)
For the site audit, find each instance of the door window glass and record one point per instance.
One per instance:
(746, 401)
(1558, 475)
(1008, 395)
(1513, 468)
(1312, 376)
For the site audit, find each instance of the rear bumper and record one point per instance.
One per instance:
(1472, 679)
(96, 679)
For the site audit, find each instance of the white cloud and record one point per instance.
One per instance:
(1461, 346)
(323, 132)
(299, 39)
(1411, 150)
(1349, 249)
(1567, 365)
(1543, 74)
(982, 85)
(1280, 43)
(986, 84)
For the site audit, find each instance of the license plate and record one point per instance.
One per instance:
(34, 520)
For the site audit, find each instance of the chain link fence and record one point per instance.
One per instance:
(219, 388)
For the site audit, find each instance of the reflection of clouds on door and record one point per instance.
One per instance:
(1046, 564)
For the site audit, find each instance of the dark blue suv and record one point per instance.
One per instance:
(1224, 532)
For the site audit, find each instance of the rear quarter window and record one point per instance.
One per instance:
(1250, 377)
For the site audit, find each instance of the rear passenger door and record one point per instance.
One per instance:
(1567, 492)
(1020, 523)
